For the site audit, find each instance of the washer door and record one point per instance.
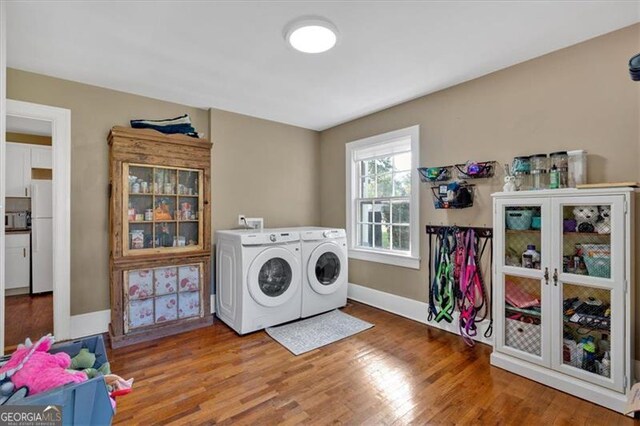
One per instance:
(326, 268)
(274, 276)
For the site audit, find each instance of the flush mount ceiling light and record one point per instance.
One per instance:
(311, 35)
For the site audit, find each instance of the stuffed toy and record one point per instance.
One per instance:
(604, 224)
(586, 218)
(509, 184)
(32, 367)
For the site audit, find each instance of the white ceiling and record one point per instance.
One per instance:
(232, 55)
(30, 126)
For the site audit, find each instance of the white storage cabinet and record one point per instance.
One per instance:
(564, 318)
(17, 263)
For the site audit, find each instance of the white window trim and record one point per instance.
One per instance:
(411, 260)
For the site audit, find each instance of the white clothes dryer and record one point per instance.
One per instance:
(325, 273)
(258, 278)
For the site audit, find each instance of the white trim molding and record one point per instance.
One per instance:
(409, 308)
(88, 324)
(397, 141)
(60, 119)
(3, 111)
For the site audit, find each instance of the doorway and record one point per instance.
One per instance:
(37, 185)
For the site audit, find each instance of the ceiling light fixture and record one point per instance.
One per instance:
(311, 35)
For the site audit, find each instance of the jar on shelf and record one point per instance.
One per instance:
(560, 160)
(521, 169)
(539, 171)
(577, 160)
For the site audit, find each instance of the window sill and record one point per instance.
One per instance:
(386, 258)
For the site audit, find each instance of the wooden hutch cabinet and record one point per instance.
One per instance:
(160, 234)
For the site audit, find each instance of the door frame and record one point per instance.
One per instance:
(60, 119)
(3, 110)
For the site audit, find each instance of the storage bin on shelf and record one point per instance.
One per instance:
(455, 195)
(435, 174)
(85, 403)
(476, 169)
(522, 335)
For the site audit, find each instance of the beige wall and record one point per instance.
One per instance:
(94, 111)
(260, 168)
(578, 97)
(263, 169)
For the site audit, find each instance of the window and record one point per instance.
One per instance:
(382, 198)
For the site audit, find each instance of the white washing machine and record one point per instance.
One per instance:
(258, 279)
(325, 273)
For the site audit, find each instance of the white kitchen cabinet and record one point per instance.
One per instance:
(563, 316)
(18, 170)
(41, 157)
(17, 261)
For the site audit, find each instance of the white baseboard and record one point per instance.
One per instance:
(89, 324)
(98, 322)
(410, 308)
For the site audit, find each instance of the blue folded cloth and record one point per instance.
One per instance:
(181, 124)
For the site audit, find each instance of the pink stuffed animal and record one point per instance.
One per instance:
(41, 370)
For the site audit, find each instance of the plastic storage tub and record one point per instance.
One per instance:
(86, 403)
(519, 220)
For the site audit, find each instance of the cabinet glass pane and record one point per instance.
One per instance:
(165, 234)
(522, 236)
(522, 313)
(140, 178)
(188, 304)
(188, 182)
(165, 181)
(140, 236)
(166, 308)
(165, 208)
(586, 313)
(586, 240)
(165, 280)
(140, 313)
(140, 284)
(189, 278)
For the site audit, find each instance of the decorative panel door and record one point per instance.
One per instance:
(589, 285)
(522, 252)
(156, 296)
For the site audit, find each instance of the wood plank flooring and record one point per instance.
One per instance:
(398, 372)
(27, 316)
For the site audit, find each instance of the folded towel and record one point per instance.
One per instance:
(181, 124)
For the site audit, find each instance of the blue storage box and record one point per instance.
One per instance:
(86, 403)
(519, 220)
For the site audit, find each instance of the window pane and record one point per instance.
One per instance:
(367, 187)
(400, 212)
(366, 235)
(401, 238)
(381, 236)
(367, 167)
(382, 213)
(366, 211)
(384, 185)
(402, 184)
(384, 165)
(402, 162)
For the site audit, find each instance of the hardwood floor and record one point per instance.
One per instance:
(398, 372)
(27, 316)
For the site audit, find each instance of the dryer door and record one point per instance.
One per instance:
(327, 268)
(274, 277)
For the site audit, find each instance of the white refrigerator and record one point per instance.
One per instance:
(41, 236)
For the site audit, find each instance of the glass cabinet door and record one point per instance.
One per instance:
(522, 258)
(162, 209)
(589, 281)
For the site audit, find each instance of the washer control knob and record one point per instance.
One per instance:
(272, 237)
(327, 234)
